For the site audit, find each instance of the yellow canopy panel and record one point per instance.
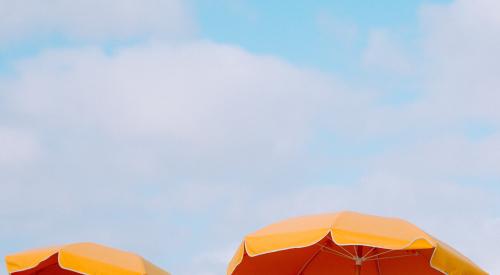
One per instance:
(346, 243)
(80, 258)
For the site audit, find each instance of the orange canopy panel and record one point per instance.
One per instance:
(80, 258)
(346, 243)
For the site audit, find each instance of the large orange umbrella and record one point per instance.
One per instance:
(80, 258)
(346, 243)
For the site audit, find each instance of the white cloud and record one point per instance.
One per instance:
(444, 157)
(461, 60)
(203, 97)
(153, 133)
(93, 19)
(17, 147)
(191, 135)
(383, 53)
(206, 142)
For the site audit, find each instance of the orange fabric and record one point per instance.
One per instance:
(82, 258)
(306, 243)
(326, 262)
(48, 267)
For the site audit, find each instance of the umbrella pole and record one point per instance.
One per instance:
(358, 269)
(359, 260)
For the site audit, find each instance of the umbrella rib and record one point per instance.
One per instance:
(335, 252)
(368, 253)
(347, 251)
(378, 268)
(376, 255)
(306, 264)
(395, 257)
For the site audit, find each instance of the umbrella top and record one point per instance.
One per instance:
(351, 228)
(85, 258)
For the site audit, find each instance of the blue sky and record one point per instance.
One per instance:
(173, 128)
(297, 32)
(293, 31)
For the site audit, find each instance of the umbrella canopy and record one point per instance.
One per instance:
(80, 258)
(346, 243)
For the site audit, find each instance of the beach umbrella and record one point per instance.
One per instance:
(79, 258)
(346, 243)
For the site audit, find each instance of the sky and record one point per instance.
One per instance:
(173, 128)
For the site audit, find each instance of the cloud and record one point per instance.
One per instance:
(201, 96)
(207, 142)
(203, 139)
(460, 42)
(169, 136)
(451, 156)
(18, 147)
(383, 53)
(108, 20)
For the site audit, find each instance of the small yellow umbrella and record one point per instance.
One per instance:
(346, 243)
(80, 258)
